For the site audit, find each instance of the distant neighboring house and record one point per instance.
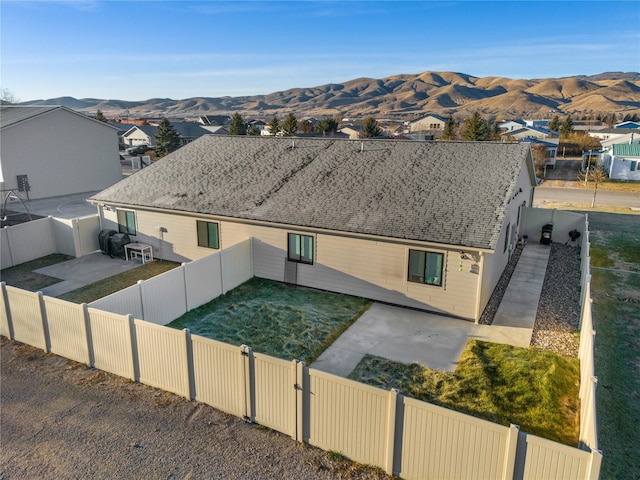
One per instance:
(217, 130)
(551, 144)
(353, 131)
(146, 134)
(539, 123)
(622, 162)
(511, 125)
(140, 135)
(393, 221)
(632, 137)
(615, 134)
(427, 123)
(48, 151)
(530, 132)
(122, 129)
(628, 124)
(215, 120)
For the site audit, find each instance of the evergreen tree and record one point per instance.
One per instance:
(253, 131)
(450, 130)
(100, 116)
(290, 125)
(371, 128)
(567, 126)
(327, 125)
(554, 124)
(274, 126)
(167, 139)
(238, 126)
(475, 128)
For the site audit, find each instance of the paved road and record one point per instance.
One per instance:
(584, 196)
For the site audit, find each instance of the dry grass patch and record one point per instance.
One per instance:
(107, 286)
(23, 275)
(535, 389)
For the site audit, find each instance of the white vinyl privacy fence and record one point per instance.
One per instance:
(401, 435)
(170, 295)
(31, 240)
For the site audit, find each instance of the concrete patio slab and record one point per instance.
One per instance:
(82, 271)
(436, 341)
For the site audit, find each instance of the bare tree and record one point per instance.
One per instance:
(540, 158)
(7, 96)
(596, 174)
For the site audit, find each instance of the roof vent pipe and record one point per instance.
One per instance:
(362, 146)
(293, 144)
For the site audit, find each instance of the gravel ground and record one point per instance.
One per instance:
(62, 420)
(556, 325)
(558, 313)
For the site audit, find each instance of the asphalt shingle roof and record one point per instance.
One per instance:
(451, 193)
(12, 114)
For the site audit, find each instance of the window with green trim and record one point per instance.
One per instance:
(208, 235)
(127, 221)
(300, 248)
(425, 267)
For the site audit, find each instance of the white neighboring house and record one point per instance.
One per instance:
(48, 151)
(623, 162)
(512, 125)
(616, 135)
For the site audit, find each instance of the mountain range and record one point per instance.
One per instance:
(405, 95)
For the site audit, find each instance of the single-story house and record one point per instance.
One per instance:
(409, 223)
(622, 162)
(146, 134)
(530, 132)
(49, 151)
(353, 131)
(511, 125)
(427, 123)
(633, 137)
(613, 134)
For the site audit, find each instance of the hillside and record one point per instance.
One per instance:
(443, 93)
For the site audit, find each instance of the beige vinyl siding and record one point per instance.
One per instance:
(269, 247)
(495, 263)
(360, 267)
(378, 270)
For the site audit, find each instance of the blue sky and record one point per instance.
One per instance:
(138, 50)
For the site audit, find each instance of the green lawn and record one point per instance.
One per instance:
(276, 319)
(535, 389)
(616, 312)
(22, 276)
(102, 288)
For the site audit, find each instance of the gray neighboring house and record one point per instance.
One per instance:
(49, 151)
(409, 223)
(146, 134)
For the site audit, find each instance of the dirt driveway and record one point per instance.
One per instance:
(62, 420)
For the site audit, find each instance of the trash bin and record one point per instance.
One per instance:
(103, 240)
(545, 236)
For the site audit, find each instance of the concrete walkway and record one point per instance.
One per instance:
(436, 341)
(83, 271)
